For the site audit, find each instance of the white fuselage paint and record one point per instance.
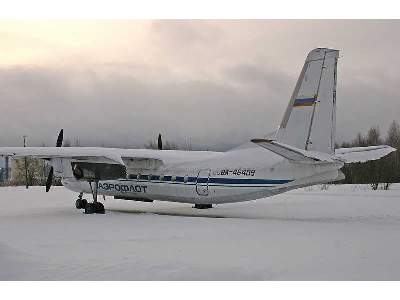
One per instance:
(246, 173)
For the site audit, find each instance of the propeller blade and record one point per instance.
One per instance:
(159, 142)
(49, 180)
(60, 138)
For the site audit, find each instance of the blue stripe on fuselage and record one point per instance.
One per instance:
(247, 181)
(219, 180)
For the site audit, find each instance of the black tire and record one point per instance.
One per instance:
(78, 204)
(90, 208)
(84, 203)
(99, 208)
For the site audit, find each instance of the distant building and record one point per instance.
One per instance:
(5, 169)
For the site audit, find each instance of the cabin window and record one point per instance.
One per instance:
(185, 179)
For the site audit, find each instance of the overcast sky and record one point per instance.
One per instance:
(213, 84)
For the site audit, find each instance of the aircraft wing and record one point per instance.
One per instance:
(292, 153)
(110, 163)
(79, 154)
(362, 154)
(128, 157)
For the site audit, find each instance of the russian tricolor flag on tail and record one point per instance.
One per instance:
(304, 102)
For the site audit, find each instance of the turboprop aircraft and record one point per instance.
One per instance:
(300, 153)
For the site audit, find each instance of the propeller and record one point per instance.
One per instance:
(60, 138)
(159, 142)
(49, 180)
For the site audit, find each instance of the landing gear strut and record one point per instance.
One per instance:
(95, 206)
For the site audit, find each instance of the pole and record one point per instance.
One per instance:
(26, 165)
(7, 170)
(44, 173)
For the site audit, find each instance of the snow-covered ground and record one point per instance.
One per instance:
(343, 233)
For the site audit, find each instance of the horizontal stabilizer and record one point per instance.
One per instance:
(362, 154)
(292, 153)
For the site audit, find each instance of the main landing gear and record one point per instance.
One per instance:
(90, 207)
(80, 203)
(94, 207)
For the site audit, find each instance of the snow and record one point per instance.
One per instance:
(343, 233)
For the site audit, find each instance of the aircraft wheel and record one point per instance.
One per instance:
(90, 208)
(80, 203)
(99, 208)
(84, 202)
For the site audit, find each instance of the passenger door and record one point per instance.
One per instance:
(202, 181)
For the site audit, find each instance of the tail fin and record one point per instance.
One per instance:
(310, 119)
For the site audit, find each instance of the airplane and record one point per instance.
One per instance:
(300, 153)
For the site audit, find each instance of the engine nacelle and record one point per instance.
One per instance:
(97, 171)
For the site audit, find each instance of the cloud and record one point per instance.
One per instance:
(254, 76)
(186, 33)
(125, 111)
(214, 84)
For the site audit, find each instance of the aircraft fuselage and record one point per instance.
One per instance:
(234, 176)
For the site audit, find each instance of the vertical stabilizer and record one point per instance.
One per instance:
(310, 118)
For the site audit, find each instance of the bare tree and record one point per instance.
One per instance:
(166, 145)
(66, 143)
(375, 169)
(359, 141)
(391, 163)
(35, 172)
